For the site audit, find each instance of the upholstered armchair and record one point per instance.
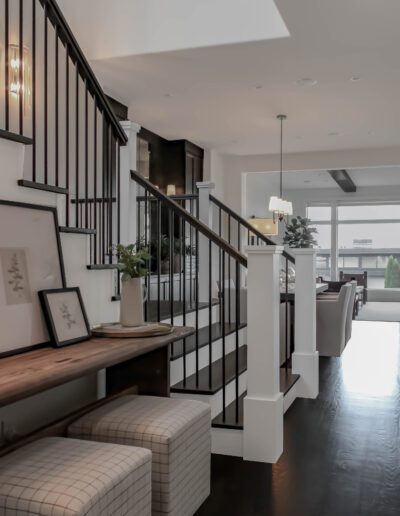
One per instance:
(331, 322)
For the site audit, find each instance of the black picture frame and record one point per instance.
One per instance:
(20, 347)
(56, 340)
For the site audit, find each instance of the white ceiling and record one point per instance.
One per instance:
(209, 95)
(311, 179)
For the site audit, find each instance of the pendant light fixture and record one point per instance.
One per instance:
(278, 205)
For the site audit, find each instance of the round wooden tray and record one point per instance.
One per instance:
(118, 331)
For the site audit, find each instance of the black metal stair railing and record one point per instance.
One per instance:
(188, 274)
(52, 100)
(238, 231)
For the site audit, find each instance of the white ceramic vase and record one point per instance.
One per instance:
(132, 299)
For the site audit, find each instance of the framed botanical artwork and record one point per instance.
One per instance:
(65, 316)
(30, 260)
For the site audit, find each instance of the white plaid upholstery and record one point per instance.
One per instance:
(178, 432)
(67, 477)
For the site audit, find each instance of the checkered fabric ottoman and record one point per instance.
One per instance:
(67, 477)
(178, 432)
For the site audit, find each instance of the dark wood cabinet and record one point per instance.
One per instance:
(177, 162)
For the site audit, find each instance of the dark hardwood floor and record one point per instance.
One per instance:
(342, 451)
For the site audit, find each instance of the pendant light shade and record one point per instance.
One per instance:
(279, 206)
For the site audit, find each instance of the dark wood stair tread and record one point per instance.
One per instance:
(204, 338)
(287, 380)
(15, 137)
(79, 231)
(230, 420)
(42, 186)
(101, 266)
(203, 385)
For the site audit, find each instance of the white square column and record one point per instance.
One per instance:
(205, 216)
(128, 187)
(263, 405)
(305, 356)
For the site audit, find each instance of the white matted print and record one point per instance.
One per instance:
(30, 260)
(65, 316)
(15, 276)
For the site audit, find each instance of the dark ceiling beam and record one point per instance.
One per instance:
(342, 178)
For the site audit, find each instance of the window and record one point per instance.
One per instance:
(367, 236)
(320, 217)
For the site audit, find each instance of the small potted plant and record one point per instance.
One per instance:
(299, 234)
(132, 261)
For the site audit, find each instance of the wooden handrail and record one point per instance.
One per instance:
(65, 34)
(243, 222)
(185, 215)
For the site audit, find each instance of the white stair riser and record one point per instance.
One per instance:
(191, 318)
(176, 369)
(215, 400)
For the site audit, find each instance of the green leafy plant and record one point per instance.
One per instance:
(299, 234)
(132, 260)
(392, 273)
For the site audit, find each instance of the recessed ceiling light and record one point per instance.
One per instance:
(168, 95)
(370, 133)
(333, 133)
(306, 81)
(258, 87)
(354, 78)
(307, 180)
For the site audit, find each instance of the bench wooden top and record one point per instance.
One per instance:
(29, 373)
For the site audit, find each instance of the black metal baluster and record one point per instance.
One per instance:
(286, 312)
(184, 306)
(119, 209)
(21, 68)
(77, 146)
(110, 194)
(237, 328)
(95, 182)
(103, 193)
(158, 261)
(46, 168)
(229, 272)
(223, 339)
(197, 306)
(171, 267)
(6, 62)
(33, 90)
(67, 199)
(146, 241)
(56, 106)
(210, 314)
(86, 155)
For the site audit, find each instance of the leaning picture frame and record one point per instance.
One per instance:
(65, 316)
(30, 260)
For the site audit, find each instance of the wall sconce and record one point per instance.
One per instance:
(17, 88)
(265, 226)
(171, 190)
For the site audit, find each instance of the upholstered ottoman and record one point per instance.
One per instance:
(67, 477)
(178, 432)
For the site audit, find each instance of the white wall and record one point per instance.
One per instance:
(235, 166)
(96, 287)
(150, 26)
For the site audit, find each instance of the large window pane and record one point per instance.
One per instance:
(323, 237)
(368, 246)
(323, 260)
(319, 213)
(369, 212)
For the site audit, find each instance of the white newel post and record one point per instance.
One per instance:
(305, 356)
(205, 216)
(128, 186)
(263, 405)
